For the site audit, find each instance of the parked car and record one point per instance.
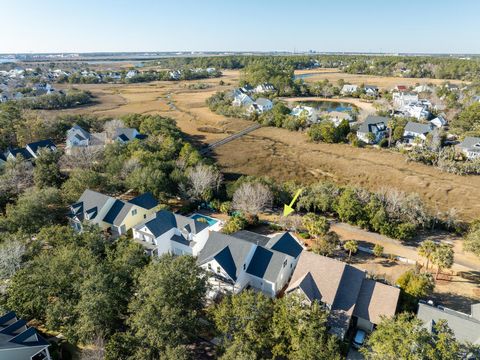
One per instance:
(359, 338)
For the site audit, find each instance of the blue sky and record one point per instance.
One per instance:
(441, 26)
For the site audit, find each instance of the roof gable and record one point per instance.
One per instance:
(146, 201)
(260, 261)
(225, 259)
(285, 243)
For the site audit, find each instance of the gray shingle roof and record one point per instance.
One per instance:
(470, 143)
(17, 338)
(78, 131)
(285, 243)
(252, 237)
(90, 200)
(237, 248)
(465, 328)
(266, 264)
(42, 144)
(343, 287)
(418, 128)
(371, 121)
(163, 221)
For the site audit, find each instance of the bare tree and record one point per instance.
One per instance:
(201, 181)
(11, 253)
(96, 351)
(129, 166)
(111, 126)
(252, 198)
(17, 176)
(82, 157)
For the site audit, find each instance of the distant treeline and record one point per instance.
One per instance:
(402, 66)
(57, 100)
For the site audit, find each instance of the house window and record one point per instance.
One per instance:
(285, 263)
(134, 212)
(244, 266)
(144, 216)
(209, 266)
(218, 269)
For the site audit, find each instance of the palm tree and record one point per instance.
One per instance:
(351, 246)
(443, 258)
(426, 249)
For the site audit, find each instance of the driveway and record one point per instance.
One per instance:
(353, 354)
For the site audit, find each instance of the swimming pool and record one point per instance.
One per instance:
(209, 220)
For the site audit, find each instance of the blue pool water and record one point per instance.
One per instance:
(210, 221)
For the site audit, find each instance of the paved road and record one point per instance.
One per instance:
(230, 138)
(392, 246)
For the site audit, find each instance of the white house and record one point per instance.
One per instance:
(242, 100)
(166, 232)
(77, 137)
(376, 125)
(401, 99)
(308, 111)
(114, 215)
(260, 106)
(423, 88)
(249, 259)
(31, 150)
(416, 131)
(418, 110)
(131, 73)
(264, 88)
(349, 89)
(439, 121)
(470, 146)
(371, 90)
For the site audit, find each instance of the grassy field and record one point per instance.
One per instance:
(382, 82)
(282, 154)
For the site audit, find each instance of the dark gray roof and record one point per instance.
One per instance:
(79, 132)
(465, 327)
(285, 243)
(371, 121)
(128, 134)
(309, 288)
(113, 215)
(146, 201)
(163, 220)
(225, 259)
(19, 151)
(16, 335)
(266, 264)
(263, 101)
(418, 128)
(42, 144)
(181, 240)
(90, 200)
(232, 252)
(470, 143)
(252, 237)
